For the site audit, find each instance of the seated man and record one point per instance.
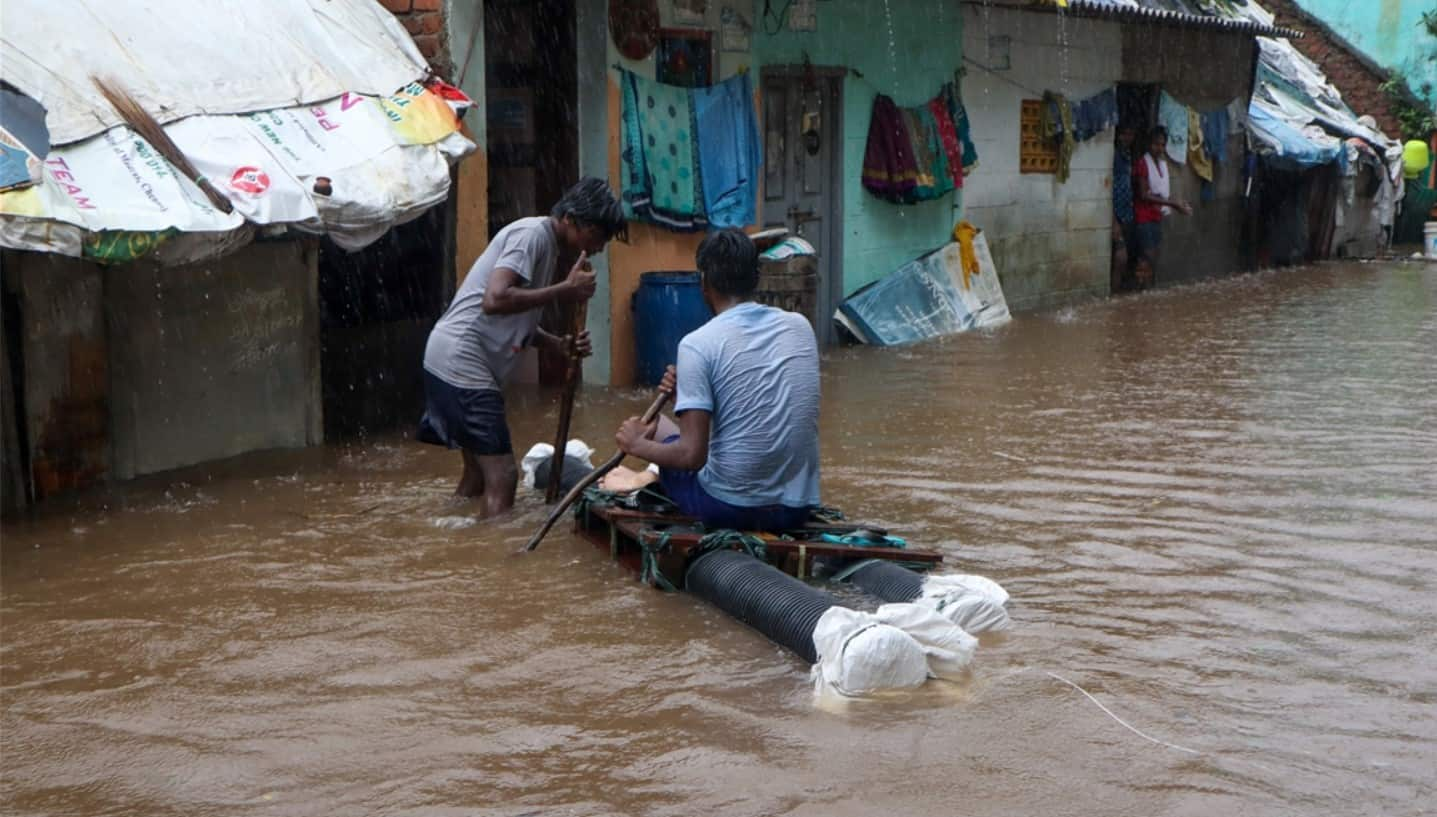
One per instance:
(744, 454)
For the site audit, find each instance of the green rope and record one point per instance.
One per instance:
(650, 573)
(824, 513)
(725, 539)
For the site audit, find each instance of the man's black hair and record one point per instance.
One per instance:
(729, 263)
(592, 202)
(1158, 130)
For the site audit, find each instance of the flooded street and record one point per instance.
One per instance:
(1215, 508)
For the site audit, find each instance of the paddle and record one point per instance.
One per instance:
(566, 404)
(592, 477)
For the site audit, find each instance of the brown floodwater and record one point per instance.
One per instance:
(1215, 507)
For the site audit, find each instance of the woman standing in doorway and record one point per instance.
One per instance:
(1153, 178)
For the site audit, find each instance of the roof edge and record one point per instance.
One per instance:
(1176, 19)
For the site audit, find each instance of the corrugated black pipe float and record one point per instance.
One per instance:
(888, 581)
(761, 596)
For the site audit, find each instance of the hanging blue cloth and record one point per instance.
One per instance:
(1173, 115)
(659, 161)
(1094, 115)
(1215, 129)
(730, 152)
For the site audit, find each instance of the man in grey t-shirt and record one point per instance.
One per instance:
(494, 315)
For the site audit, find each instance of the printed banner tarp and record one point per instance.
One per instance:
(926, 298)
(382, 161)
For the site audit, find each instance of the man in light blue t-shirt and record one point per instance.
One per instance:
(744, 453)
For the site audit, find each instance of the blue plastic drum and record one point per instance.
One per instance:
(668, 305)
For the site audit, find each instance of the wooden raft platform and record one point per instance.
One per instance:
(624, 532)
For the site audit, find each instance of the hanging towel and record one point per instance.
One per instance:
(959, 114)
(889, 170)
(1173, 115)
(730, 155)
(1057, 119)
(952, 149)
(922, 155)
(660, 156)
(1197, 151)
(964, 233)
(1215, 132)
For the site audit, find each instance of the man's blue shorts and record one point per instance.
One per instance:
(684, 489)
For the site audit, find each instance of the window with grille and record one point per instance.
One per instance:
(1037, 152)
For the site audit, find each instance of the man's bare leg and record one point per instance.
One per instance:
(501, 477)
(471, 482)
(623, 480)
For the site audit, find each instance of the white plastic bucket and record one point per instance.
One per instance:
(1429, 239)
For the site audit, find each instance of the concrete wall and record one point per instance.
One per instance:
(212, 360)
(66, 374)
(1210, 242)
(1388, 32)
(903, 48)
(1050, 242)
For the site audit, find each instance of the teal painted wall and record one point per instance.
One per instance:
(1387, 32)
(906, 49)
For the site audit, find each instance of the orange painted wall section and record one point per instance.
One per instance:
(648, 248)
(471, 222)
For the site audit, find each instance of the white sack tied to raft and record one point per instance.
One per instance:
(543, 452)
(902, 645)
(975, 603)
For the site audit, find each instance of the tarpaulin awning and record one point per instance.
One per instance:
(317, 141)
(1285, 145)
(181, 57)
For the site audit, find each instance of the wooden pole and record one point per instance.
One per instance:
(572, 376)
(593, 477)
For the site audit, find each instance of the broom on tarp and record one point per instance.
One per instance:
(151, 131)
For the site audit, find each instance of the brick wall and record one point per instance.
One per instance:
(424, 20)
(1357, 78)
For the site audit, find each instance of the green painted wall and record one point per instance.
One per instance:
(906, 49)
(1388, 32)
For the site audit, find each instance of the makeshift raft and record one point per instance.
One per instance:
(758, 577)
(658, 542)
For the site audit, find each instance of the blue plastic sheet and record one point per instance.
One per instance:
(1292, 149)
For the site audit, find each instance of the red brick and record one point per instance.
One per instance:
(411, 23)
(429, 23)
(428, 5)
(396, 6)
(428, 45)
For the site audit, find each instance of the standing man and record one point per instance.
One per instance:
(1154, 186)
(1124, 218)
(495, 314)
(744, 454)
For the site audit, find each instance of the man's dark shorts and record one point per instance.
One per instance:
(471, 419)
(1150, 236)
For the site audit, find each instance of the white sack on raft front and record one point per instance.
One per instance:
(858, 654)
(899, 646)
(974, 603)
(575, 449)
